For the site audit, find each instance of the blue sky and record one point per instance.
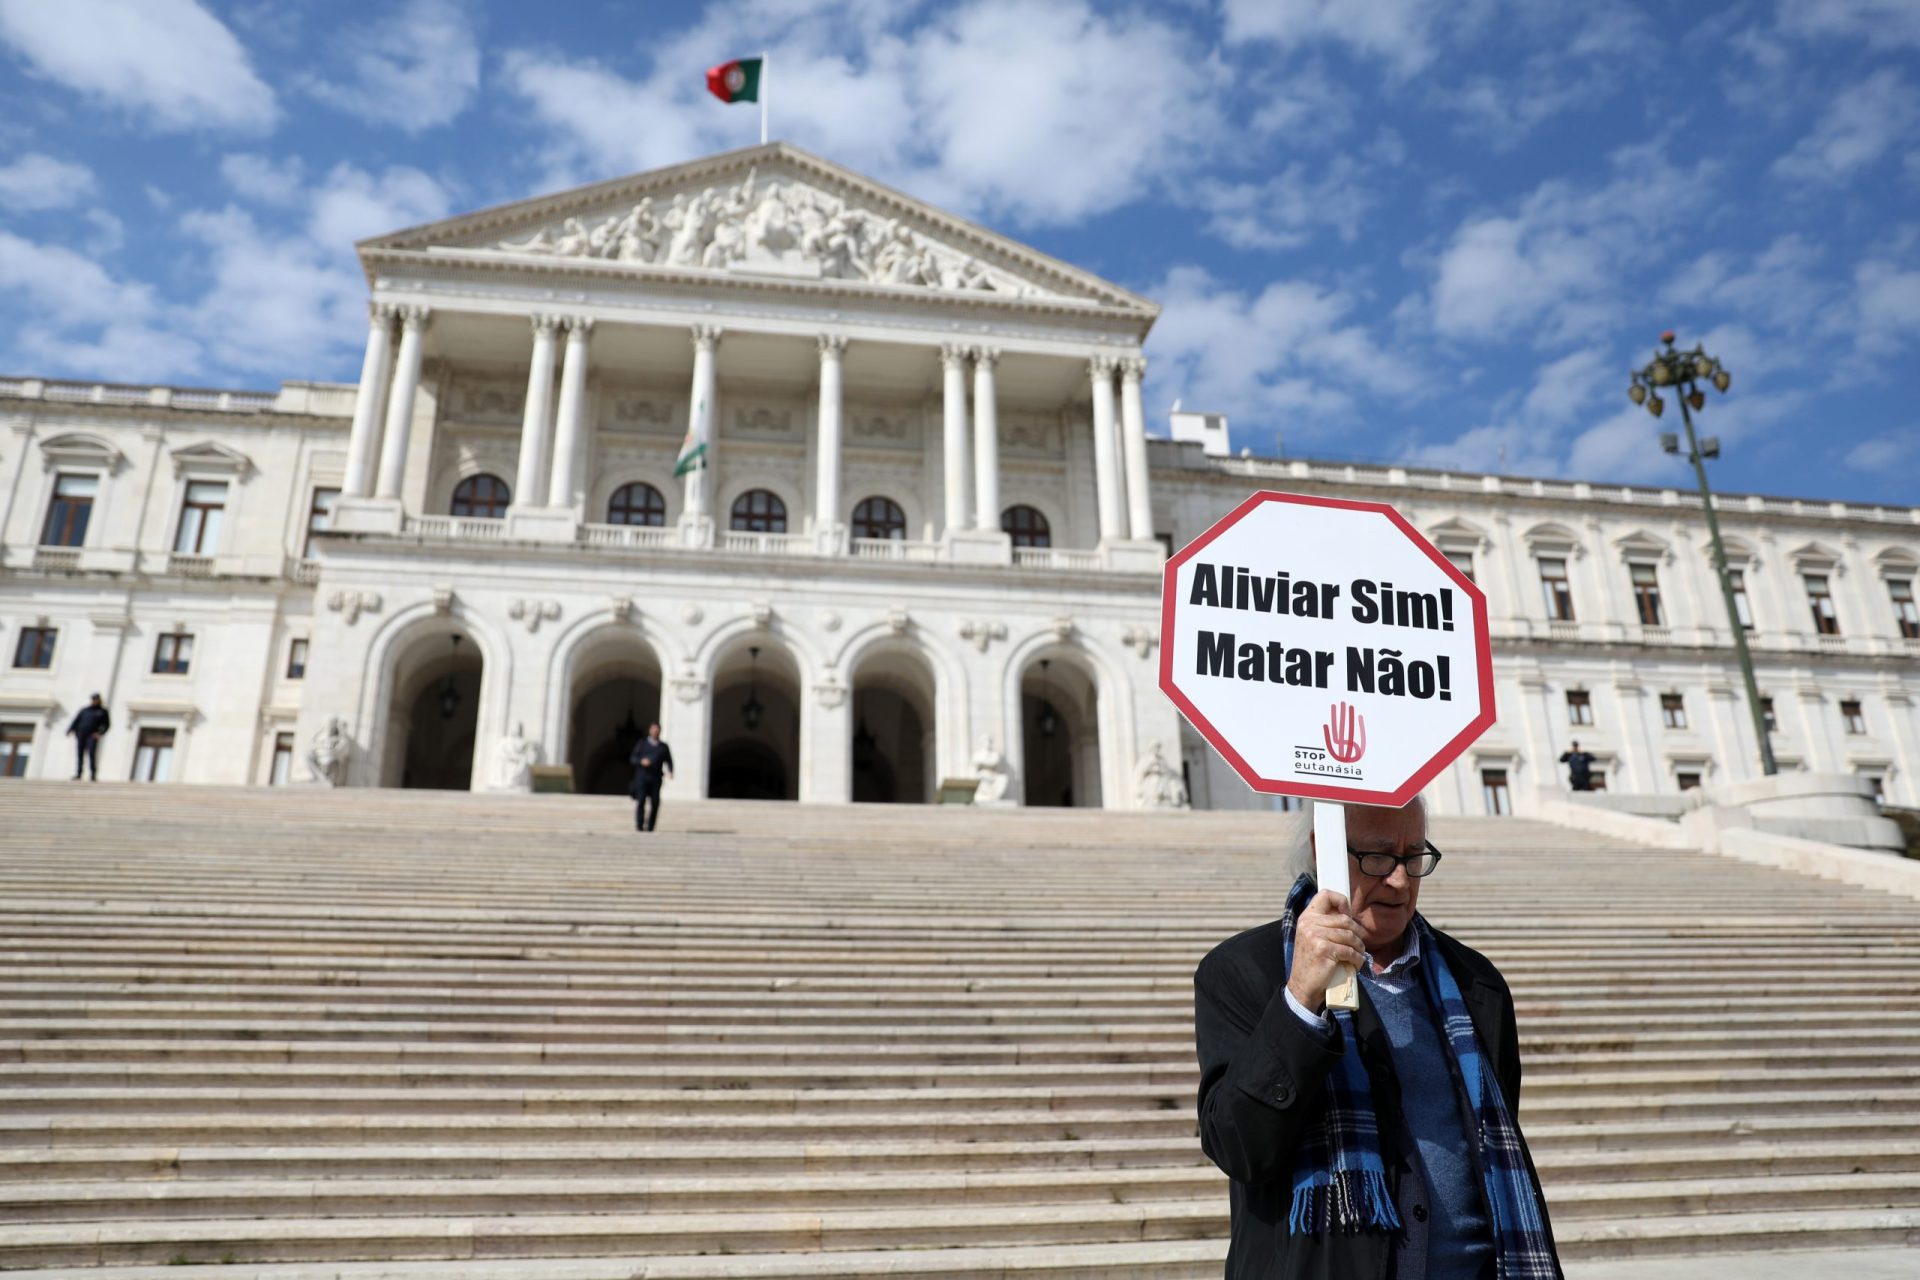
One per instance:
(1391, 230)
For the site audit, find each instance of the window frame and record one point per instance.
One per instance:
(46, 644)
(1496, 792)
(762, 507)
(16, 752)
(208, 513)
(645, 509)
(168, 660)
(1906, 609)
(1039, 530)
(156, 756)
(277, 775)
(1559, 603)
(891, 524)
(299, 650)
(318, 511)
(1742, 603)
(1826, 616)
(1855, 719)
(464, 492)
(1673, 710)
(63, 508)
(1646, 594)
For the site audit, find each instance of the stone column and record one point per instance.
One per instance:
(1133, 436)
(986, 441)
(536, 424)
(363, 446)
(406, 381)
(829, 529)
(953, 364)
(570, 427)
(1106, 470)
(702, 426)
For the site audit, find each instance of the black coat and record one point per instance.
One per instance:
(1263, 1079)
(90, 721)
(648, 761)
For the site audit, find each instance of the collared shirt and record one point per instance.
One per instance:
(1396, 977)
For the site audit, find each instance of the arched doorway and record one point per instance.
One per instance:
(434, 713)
(614, 696)
(1060, 733)
(893, 746)
(755, 729)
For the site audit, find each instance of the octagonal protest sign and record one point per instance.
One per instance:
(1326, 649)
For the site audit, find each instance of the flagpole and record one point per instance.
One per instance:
(764, 61)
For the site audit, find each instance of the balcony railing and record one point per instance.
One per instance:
(56, 559)
(1072, 560)
(629, 535)
(458, 528)
(183, 565)
(896, 549)
(764, 544)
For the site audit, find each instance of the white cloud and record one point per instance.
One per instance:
(273, 302)
(1284, 211)
(416, 67)
(1885, 24)
(1896, 451)
(1888, 302)
(351, 204)
(84, 320)
(263, 178)
(1400, 32)
(1860, 124)
(169, 63)
(37, 181)
(1287, 357)
(976, 110)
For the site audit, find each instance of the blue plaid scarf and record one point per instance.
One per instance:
(1339, 1175)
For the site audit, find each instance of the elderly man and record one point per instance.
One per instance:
(1380, 1143)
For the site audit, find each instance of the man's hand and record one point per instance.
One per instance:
(1324, 938)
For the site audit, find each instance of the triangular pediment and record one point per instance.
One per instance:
(210, 456)
(770, 212)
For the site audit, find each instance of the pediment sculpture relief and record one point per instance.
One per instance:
(773, 227)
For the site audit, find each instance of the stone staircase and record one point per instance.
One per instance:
(295, 1033)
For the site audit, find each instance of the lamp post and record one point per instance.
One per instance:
(1684, 372)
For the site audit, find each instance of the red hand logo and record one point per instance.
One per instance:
(1345, 733)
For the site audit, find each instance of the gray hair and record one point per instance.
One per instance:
(1300, 851)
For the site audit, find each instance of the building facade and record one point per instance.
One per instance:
(923, 541)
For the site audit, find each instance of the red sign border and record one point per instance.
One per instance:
(1483, 659)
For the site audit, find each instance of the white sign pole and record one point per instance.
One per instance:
(1330, 871)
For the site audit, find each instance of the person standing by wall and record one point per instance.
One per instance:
(1579, 768)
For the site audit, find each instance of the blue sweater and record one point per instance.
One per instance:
(1449, 1211)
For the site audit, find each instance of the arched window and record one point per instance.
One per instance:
(879, 518)
(1028, 527)
(758, 511)
(637, 503)
(482, 495)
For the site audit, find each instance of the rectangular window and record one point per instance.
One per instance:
(1673, 711)
(1905, 611)
(1820, 600)
(1646, 594)
(1766, 714)
(200, 514)
(1463, 561)
(153, 756)
(35, 647)
(1689, 779)
(1579, 707)
(72, 507)
(282, 760)
(1852, 717)
(1879, 785)
(1737, 579)
(16, 745)
(1555, 588)
(1493, 790)
(297, 659)
(172, 654)
(319, 518)
(1597, 779)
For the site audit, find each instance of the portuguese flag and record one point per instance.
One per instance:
(736, 81)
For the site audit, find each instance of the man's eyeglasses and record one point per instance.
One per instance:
(1381, 865)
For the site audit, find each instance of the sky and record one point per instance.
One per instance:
(1399, 230)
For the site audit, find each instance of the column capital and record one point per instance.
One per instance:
(543, 323)
(832, 345)
(1133, 368)
(954, 353)
(1102, 366)
(380, 314)
(706, 336)
(414, 316)
(985, 357)
(578, 326)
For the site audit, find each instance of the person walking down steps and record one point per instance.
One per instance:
(652, 760)
(87, 726)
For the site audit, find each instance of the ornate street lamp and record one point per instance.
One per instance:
(1684, 373)
(450, 696)
(1048, 720)
(752, 710)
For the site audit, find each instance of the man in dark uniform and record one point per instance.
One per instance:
(1380, 1142)
(652, 760)
(1579, 768)
(87, 726)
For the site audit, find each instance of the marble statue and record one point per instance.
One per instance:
(782, 227)
(514, 759)
(994, 776)
(1157, 784)
(329, 754)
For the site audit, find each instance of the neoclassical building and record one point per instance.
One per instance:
(922, 541)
